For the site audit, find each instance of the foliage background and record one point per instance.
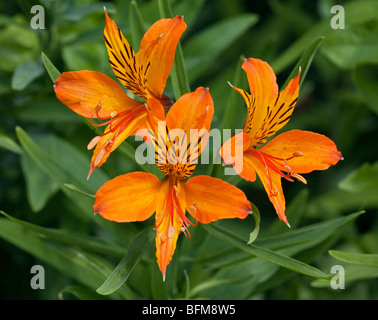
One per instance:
(338, 98)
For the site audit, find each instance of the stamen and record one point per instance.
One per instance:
(93, 142)
(99, 156)
(299, 178)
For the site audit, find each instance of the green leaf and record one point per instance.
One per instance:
(80, 292)
(137, 25)
(264, 253)
(78, 13)
(364, 179)
(123, 270)
(203, 49)
(39, 186)
(178, 75)
(25, 73)
(74, 188)
(89, 270)
(51, 69)
(356, 12)
(352, 46)
(364, 259)
(71, 239)
(365, 78)
(352, 273)
(256, 215)
(312, 233)
(8, 144)
(305, 61)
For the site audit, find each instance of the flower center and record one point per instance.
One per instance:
(277, 165)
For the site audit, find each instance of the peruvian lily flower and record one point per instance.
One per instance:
(136, 196)
(94, 95)
(287, 155)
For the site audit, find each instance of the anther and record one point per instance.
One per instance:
(171, 232)
(93, 142)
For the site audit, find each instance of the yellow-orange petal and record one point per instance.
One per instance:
(168, 33)
(86, 92)
(312, 151)
(208, 199)
(127, 198)
(278, 113)
(129, 70)
(263, 87)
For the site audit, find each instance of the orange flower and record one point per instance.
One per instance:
(136, 196)
(94, 95)
(287, 155)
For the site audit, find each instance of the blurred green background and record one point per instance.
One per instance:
(55, 226)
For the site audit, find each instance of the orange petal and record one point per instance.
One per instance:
(279, 112)
(236, 144)
(168, 33)
(312, 151)
(168, 223)
(208, 199)
(192, 111)
(248, 173)
(86, 91)
(127, 68)
(272, 184)
(263, 87)
(127, 198)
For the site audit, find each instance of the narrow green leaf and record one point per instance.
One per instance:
(364, 259)
(71, 239)
(51, 69)
(316, 232)
(74, 188)
(80, 292)
(352, 273)
(81, 266)
(265, 254)
(305, 61)
(8, 144)
(256, 215)
(179, 76)
(137, 24)
(123, 270)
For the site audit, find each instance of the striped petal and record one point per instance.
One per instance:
(163, 36)
(122, 58)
